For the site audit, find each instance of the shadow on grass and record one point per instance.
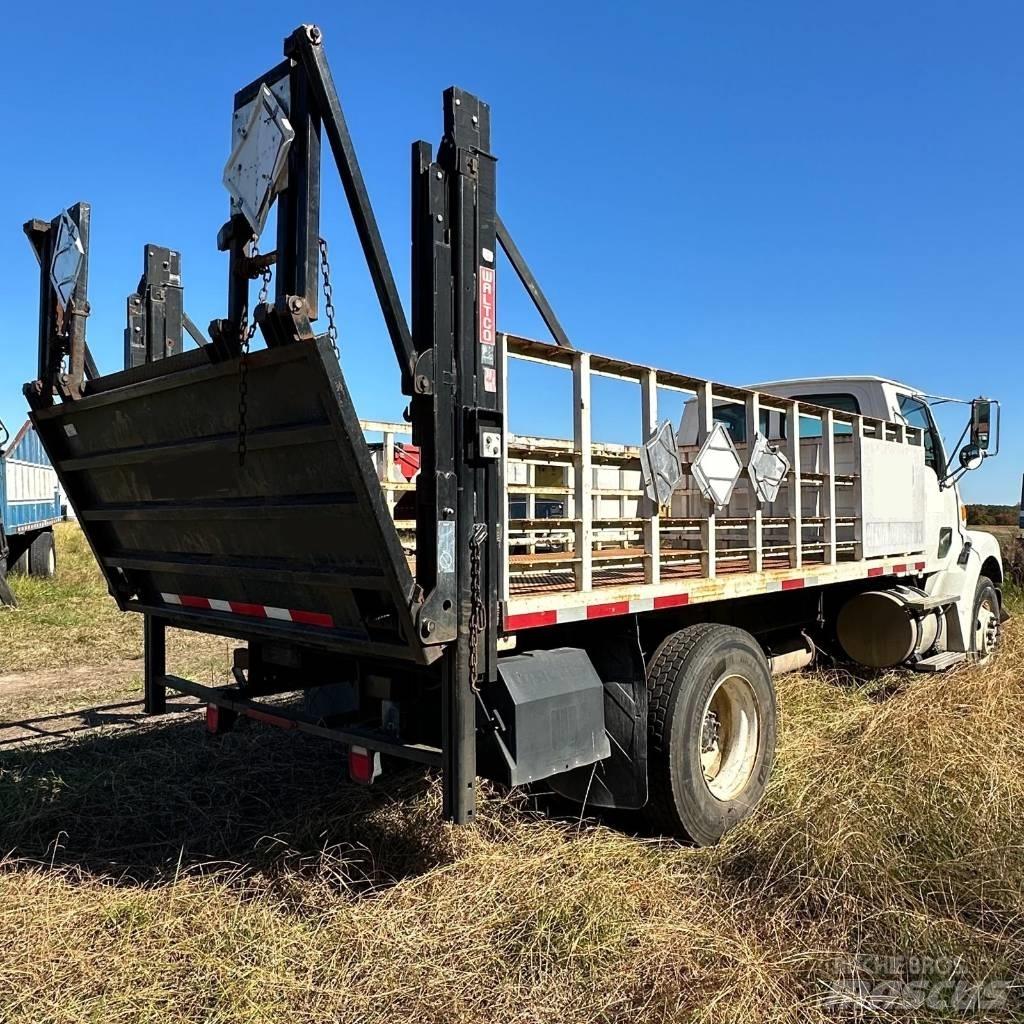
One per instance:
(65, 724)
(143, 805)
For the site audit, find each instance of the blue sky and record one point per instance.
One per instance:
(740, 191)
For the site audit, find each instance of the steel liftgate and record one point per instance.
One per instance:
(232, 491)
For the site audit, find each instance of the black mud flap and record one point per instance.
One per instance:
(544, 714)
(620, 780)
(294, 544)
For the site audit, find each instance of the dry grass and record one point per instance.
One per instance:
(163, 875)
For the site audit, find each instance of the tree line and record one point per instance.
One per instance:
(992, 515)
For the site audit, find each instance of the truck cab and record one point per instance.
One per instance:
(962, 555)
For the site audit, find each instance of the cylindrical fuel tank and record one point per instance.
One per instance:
(882, 628)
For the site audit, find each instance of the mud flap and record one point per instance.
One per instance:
(543, 714)
(619, 781)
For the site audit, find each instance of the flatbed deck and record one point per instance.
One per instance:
(605, 548)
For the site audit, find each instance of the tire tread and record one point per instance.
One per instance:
(663, 672)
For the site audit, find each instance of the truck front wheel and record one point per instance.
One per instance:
(711, 731)
(42, 555)
(986, 619)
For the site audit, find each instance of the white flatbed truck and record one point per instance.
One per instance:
(601, 617)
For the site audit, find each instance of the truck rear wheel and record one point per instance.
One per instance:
(42, 555)
(711, 731)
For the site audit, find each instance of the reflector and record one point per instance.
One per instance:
(717, 466)
(659, 463)
(68, 254)
(219, 720)
(363, 764)
(767, 467)
(255, 170)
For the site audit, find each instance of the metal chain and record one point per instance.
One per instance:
(478, 610)
(332, 328)
(247, 331)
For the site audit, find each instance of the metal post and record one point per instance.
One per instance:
(305, 45)
(708, 532)
(298, 206)
(649, 508)
(828, 484)
(755, 534)
(155, 654)
(72, 386)
(156, 312)
(583, 474)
(458, 412)
(795, 487)
(858, 488)
(40, 234)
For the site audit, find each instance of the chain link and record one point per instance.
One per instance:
(478, 610)
(332, 327)
(247, 331)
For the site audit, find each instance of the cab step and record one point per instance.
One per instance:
(941, 662)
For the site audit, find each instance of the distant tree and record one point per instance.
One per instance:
(992, 515)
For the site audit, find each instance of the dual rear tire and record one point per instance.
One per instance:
(711, 731)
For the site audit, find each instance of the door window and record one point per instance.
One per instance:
(917, 414)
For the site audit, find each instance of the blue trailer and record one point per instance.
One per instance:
(30, 505)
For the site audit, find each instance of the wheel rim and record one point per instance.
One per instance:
(986, 628)
(51, 562)
(730, 729)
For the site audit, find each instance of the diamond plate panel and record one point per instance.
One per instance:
(659, 463)
(717, 466)
(767, 467)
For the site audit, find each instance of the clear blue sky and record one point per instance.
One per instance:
(741, 191)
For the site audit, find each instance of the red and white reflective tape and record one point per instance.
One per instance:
(557, 616)
(253, 611)
(551, 617)
(794, 583)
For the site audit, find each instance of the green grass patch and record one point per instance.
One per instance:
(71, 621)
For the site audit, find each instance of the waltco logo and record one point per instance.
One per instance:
(488, 326)
(487, 317)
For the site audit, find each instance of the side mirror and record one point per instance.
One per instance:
(971, 456)
(981, 425)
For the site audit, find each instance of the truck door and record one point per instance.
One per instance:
(942, 505)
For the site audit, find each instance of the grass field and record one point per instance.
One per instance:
(151, 873)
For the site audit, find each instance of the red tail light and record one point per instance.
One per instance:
(219, 720)
(363, 764)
